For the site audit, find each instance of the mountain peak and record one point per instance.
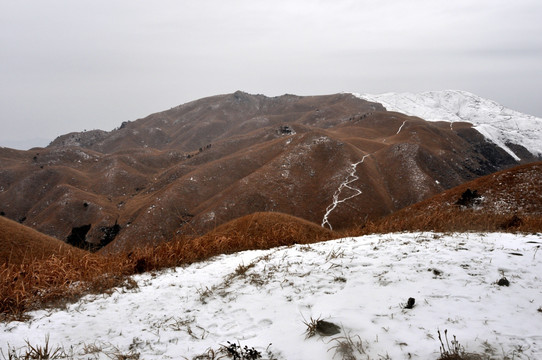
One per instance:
(502, 126)
(191, 168)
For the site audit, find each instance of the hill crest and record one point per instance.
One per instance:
(506, 200)
(335, 160)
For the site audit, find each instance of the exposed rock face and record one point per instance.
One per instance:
(196, 166)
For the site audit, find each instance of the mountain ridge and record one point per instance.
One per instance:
(191, 168)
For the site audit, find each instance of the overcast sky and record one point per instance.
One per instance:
(70, 65)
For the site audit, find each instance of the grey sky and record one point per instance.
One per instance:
(74, 65)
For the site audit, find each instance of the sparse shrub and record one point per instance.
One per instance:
(141, 266)
(311, 327)
(242, 269)
(469, 198)
(447, 351)
(92, 348)
(35, 352)
(452, 350)
(128, 356)
(512, 223)
(236, 352)
(335, 254)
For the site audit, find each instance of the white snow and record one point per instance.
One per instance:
(260, 297)
(400, 127)
(497, 123)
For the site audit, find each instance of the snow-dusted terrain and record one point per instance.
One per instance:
(257, 298)
(494, 121)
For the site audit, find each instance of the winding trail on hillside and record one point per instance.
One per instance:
(400, 127)
(345, 184)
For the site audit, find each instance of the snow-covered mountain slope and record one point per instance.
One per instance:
(363, 285)
(500, 125)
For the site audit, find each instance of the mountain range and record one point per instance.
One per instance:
(336, 160)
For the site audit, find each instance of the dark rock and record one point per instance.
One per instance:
(410, 303)
(326, 328)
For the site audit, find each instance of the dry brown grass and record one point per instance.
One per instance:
(451, 220)
(262, 231)
(57, 277)
(511, 201)
(20, 244)
(55, 281)
(65, 277)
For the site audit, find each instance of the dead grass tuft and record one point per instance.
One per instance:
(453, 350)
(34, 351)
(348, 347)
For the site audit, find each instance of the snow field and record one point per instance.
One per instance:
(495, 122)
(257, 298)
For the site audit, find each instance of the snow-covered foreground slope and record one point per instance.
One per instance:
(494, 121)
(362, 284)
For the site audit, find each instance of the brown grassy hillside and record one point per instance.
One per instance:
(508, 200)
(262, 230)
(189, 169)
(20, 244)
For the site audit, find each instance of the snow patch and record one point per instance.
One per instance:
(498, 124)
(361, 284)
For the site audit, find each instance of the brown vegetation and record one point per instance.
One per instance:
(146, 184)
(510, 200)
(202, 164)
(21, 244)
(65, 276)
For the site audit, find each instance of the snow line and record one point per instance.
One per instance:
(345, 184)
